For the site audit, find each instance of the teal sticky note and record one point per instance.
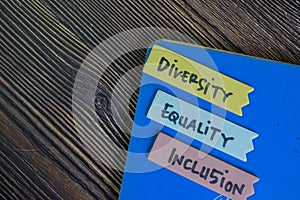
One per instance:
(201, 125)
(260, 123)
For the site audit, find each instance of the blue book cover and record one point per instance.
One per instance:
(211, 125)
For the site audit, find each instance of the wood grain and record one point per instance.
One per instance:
(43, 44)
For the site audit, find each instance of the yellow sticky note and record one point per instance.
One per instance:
(197, 79)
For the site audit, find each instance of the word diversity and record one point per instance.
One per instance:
(197, 79)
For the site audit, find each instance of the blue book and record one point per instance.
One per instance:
(211, 125)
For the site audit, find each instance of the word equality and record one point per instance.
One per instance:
(193, 124)
(203, 84)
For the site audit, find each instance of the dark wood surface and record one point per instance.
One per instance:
(42, 46)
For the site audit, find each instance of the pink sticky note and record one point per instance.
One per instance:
(202, 168)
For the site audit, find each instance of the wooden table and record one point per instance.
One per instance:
(44, 43)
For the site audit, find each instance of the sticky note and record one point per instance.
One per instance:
(202, 168)
(185, 97)
(197, 79)
(201, 125)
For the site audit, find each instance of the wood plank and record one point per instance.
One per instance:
(43, 44)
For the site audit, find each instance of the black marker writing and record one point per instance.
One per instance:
(204, 85)
(213, 175)
(197, 126)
